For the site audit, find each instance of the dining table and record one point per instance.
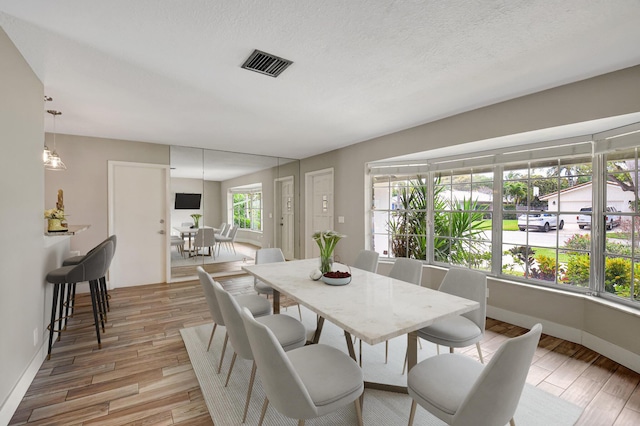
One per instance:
(372, 307)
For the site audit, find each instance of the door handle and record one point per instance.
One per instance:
(161, 232)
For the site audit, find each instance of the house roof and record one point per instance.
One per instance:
(168, 71)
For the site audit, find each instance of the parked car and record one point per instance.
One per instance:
(611, 219)
(539, 221)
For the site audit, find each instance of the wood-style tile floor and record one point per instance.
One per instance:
(142, 374)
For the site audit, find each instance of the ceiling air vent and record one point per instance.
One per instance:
(266, 63)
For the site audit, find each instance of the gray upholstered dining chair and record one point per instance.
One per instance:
(205, 238)
(258, 306)
(268, 255)
(461, 330)
(403, 269)
(303, 383)
(367, 260)
(289, 332)
(228, 240)
(460, 391)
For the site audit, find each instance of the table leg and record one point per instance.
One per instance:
(316, 336)
(352, 352)
(276, 301)
(412, 349)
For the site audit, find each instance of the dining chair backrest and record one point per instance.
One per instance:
(495, 394)
(405, 269)
(231, 313)
(232, 233)
(282, 384)
(471, 285)
(225, 230)
(205, 237)
(269, 255)
(207, 283)
(367, 260)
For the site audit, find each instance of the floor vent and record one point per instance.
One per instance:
(266, 63)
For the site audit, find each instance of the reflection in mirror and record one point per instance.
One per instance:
(247, 202)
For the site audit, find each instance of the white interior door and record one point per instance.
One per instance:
(138, 212)
(286, 212)
(319, 207)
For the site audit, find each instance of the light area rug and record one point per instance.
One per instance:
(224, 256)
(226, 405)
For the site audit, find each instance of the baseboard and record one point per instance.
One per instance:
(616, 353)
(20, 389)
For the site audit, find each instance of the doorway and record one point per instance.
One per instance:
(318, 207)
(138, 216)
(285, 205)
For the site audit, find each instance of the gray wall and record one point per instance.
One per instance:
(85, 181)
(569, 316)
(21, 191)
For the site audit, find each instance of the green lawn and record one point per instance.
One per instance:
(507, 225)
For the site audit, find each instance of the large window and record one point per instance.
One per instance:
(247, 208)
(564, 215)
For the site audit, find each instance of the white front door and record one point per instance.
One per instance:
(138, 212)
(319, 207)
(286, 211)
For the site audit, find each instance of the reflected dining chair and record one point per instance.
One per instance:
(205, 238)
(306, 382)
(462, 392)
(258, 306)
(289, 332)
(228, 240)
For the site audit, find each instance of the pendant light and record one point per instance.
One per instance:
(54, 162)
(46, 153)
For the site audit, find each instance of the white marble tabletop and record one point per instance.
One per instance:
(372, 307)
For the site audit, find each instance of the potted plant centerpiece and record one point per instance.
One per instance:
(196, 219)
(326, 241)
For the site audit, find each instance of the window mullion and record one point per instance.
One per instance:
(598, 237)
(496, 223)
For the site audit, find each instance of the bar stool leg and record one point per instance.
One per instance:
(61, 311)
(92, 285)
(103, 281)
(56, 288)
(67, 303)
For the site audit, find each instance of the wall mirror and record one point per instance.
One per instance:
(245, 201)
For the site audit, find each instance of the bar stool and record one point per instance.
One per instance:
(91, 268)
(104, 295)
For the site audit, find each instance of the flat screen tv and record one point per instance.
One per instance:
(186, 201)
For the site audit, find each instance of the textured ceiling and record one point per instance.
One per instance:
(168, 71)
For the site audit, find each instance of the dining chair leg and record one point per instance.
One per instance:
(358, 412)
(406, 361)
(300, 312)
(512, 422)
(211, 338)
(233, 361)
(265, 404)
(386, 351)
(246, 404)
(479, 352)
(450, 350)
(301, 422)
(360, 353)
(412, 414)
(224, 349)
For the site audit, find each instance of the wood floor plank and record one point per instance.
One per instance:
(143, 376)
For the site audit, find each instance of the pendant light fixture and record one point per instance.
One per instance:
(54, 162)
(46, 153)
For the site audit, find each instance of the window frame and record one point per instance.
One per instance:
(594, 147)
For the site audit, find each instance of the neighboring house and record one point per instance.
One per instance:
(579, 196)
